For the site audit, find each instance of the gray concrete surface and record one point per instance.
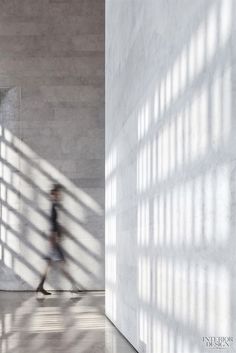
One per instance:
(52, 129)
(59, 324)
(170, 173)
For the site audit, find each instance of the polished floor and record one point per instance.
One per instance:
(57, 323)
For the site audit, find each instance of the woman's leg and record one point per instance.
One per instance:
(43, 278)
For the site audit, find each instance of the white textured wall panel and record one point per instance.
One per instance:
(170, 172)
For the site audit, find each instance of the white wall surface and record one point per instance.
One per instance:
(170, 172)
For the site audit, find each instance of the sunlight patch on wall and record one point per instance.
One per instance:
(111, 233)
(25, 183)
(183, 194)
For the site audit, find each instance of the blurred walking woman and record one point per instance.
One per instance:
(56, 250)
(56, 253)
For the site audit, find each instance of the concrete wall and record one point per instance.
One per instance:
(170, 172)
(52, 129)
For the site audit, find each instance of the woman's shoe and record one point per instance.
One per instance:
(75, 293)
(76, 290)
(43, 291)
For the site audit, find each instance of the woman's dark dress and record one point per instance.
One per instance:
(56, 252)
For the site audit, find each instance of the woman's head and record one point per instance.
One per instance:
(56, 192)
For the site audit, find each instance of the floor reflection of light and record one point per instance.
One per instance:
(111, 340)
(90, 321)
(45, 320)
(7, 322)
